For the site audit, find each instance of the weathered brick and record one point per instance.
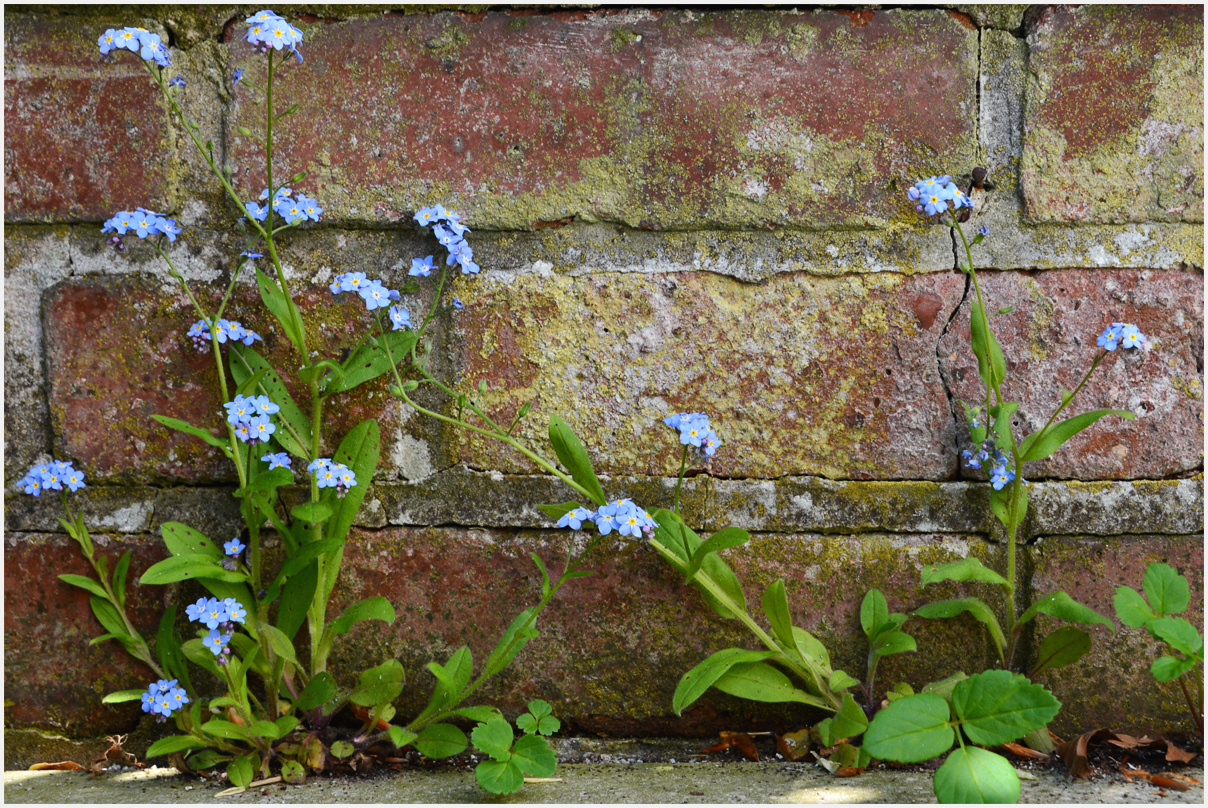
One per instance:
(658, 119)
(103, 392)
(1049, 342)
(1114, 118)
(83, 139)
(800, 375)
(53, 678)
(1112, 686)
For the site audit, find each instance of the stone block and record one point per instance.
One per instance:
(1049, 342)
(1114, 118)
(800, 375)
(83, 139)
(1112, 686)
(655, 119)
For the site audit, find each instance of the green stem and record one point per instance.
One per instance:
(680, 481)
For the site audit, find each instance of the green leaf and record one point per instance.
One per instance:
(574, 457)
(312, 512)
(120, 696)
(893, 642)
(812, 649)
(776, 609)
(187, 567)
(298, 561)
(282, 645)
(478, 714)
(1065, 646)
(206, 759)
(195, 431)
(239, 771)
(990, 363)
(1037, 447)
(511, 642)
(196, 652)
(1179, 634)
(1000, 504)
(759, 681)
(225, 729)
(544, 574)
(494, 737)
(967, 569)
(119, 578)
(839, 681)
(1166, 589)
(1168, 668)
(910, 730)
(375, 608)
(499, 777)
(440, 741)
(370, 361)
(266, 729)
(725, 538)
(1001, 428)
(686, 541)
(249, 384)
(276, 301)
(176, 743)
(1063, 607)
(997, 707)
(534, 757)
(548, 725)
(401, 737)
(181, 539)
(342, 749)
(1131, 608)
(245, 363)
(358, 451)
(85, 583)
(975, 607)
(695, 682)
(971, 775)
(111, 620)
(287, 724)
(874, 612)
(318, 691)
(556, 512)
(540, 708)
(850, 721)
(296, 596)
(379, 685)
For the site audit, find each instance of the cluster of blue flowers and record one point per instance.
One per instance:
(934, 195)
(267, 30)
(220, 617)
(621, 515)
(293, 208)
(163, 698)
(330, 474)
(250, 415)
(1122, 334)
(280, 460)
(375, 295)
(694, 430)
(988, 454)
(136, 40)
(228, 331)
(51, 476)
(450, 232)
(142, 223)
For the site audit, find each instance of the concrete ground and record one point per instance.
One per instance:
(626, 774)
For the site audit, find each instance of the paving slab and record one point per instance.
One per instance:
(771, 781)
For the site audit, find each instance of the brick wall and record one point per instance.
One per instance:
(675, 210)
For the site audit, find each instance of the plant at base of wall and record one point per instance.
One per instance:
(1167, 594)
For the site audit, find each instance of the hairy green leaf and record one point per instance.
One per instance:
(695, 682)
(1038, 447)
(776, 609)
(371, 361)
(874, 612)
(195, 431)
(318, 691)
(514, 638)
(245, 363)
(374, 608)
(974, 606)
(573, 456)
(187, 567)
(379, 685)
(1063, 607)
(1065, 646)
(967, 569)
(759, 681)
(85, 583)
(721, 540)
(850, 721)
(175, 743)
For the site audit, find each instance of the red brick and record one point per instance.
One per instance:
(137, 361)
(53, 678)
(1049, 342)
(656, 119)
(834, 377)
(1112, 685)
(1114, 119)
(83, 139)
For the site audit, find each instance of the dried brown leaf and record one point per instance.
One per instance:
(60, 766)
(1073, 752)
(848, 771)
(1176, 755)
(737, 740)
(1130, 743)
(793, 745)
(1024, 752)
